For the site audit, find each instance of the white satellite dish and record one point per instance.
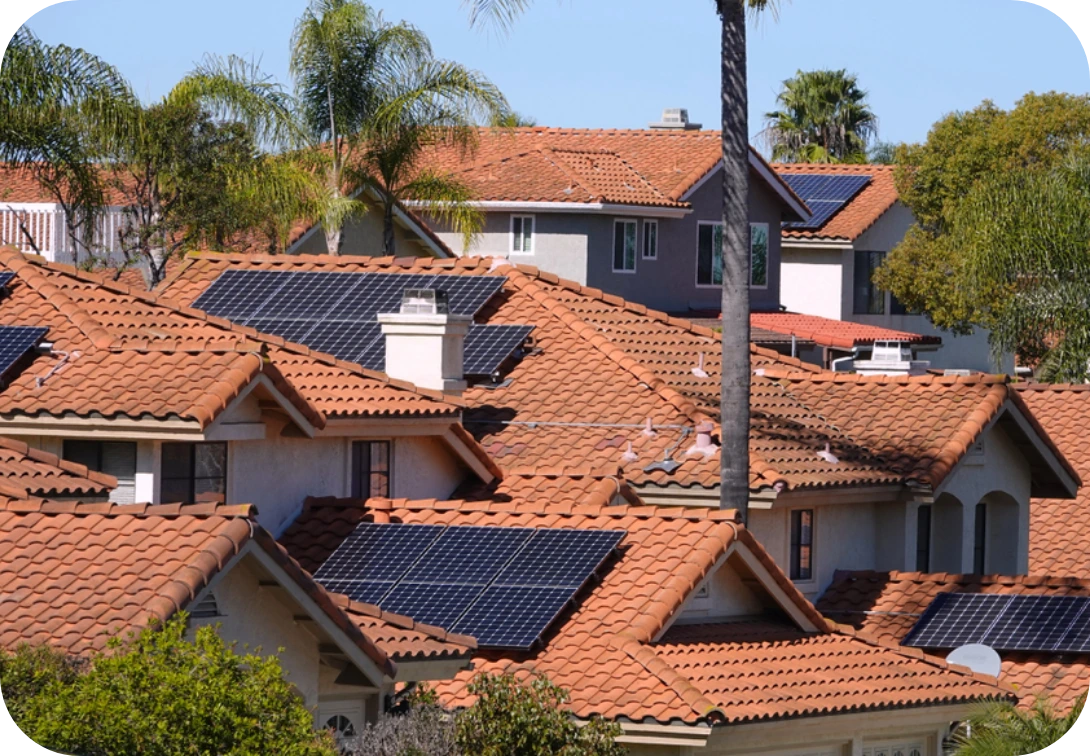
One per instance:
(977, 657)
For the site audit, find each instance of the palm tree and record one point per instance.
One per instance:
(1004, 729)
(823, 118)
(734, 401)
(373, 96)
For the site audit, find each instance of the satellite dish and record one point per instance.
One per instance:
(977, 657)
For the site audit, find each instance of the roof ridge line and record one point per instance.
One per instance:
(955, 448)
(40, 505)
(666, 673)
(401, 621)
(583, 329)
(947, 578)
(159, 300)
(550, 155)
(26, 269)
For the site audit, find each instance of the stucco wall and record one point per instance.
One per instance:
(727, 597)
(363, 236)
(812, 281)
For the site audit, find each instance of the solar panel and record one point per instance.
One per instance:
(292, 330)
(824, 195)
(345, 341)
(312, 295)
(1056, 624)
(504, 586)
(487, 346)
(5, 278)
(15, 342)
(240, 294)
(512, 616)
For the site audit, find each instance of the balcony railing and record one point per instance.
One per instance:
(41, 228)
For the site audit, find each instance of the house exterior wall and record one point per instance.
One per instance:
(363, 236)
(813, 281)
(579, 247)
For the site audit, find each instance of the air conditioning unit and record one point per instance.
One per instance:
(891, 358)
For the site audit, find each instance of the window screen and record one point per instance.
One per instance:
(624, 246)
(370, 469)
(650, 240)
(522, 234)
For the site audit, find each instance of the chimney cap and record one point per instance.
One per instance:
(424, 302)
(676, 119)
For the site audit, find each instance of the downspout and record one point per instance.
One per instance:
(834, 366)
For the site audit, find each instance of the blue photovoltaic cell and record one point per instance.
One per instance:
(309, 294)
(824, 195)
(378, 293)
(345, 341)
(15, 342)
(468, 555)
(377, 552)
(291, 330)
(5, 277)
(512, 616)
(239, 294)
(560, 558)
(487, 346)
(438, 604)
(504, 586)
(1055, 624)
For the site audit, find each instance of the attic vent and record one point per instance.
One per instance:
(891, 351)
(675, 118)
(206, 608)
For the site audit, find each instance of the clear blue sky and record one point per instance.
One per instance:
(613, 63)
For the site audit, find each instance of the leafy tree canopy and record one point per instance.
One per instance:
(970, 187)
(159, 694)
(1003, 729)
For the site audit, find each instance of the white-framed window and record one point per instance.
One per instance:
(117, 458)
(709, 254)
(650, 240)
(906, 748)
(522, 234)
(371, 469)
(624, 246)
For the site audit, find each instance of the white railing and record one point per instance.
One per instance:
(29, 225)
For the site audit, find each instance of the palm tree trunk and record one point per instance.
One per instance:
(734, 404)
(388, 242)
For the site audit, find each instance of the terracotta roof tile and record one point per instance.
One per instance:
(25, 471)
(833, 333)
(402, 638)
(858, 215)
(603, 651)
(886, 605)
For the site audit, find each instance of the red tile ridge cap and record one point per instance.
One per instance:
(785, 584)
(1056, 387)
(106, 481)
(401, 621)
(826, 376)
(958, 445)
(1016, 399)
(477, 450)
(230, 327)
(557, 158)
(618, 511)
(25, 268)
(109, 509)
(583, 329)
(946, 578)
(682, 687)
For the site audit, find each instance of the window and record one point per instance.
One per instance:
(709, 254)
(868, 298)
(979, 534)
(116, 458)
(194, 472)
(624, 246)
(650, 240)
(923, 538)
(522, 234)
(370, 469)
(758, 255)
(896, 307)
(802, 544)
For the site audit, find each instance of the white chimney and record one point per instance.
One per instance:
(425, 343)
(677, 119)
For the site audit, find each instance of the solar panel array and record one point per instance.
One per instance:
(503, 586)
(1058, 624)
(824, 195)
(15, 342)
(5, 278)
(336, 312)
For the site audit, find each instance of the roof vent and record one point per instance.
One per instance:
(890, 358)
(206, 608)
(676, 119)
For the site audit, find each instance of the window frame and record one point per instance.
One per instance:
(923, 539)
(648, 225)
(353, 478)
(99, 465)
(874, 293)
(768, 256)
(622, 223)
(980, 539)
(511, 235)
(192, 478)
(794, 542)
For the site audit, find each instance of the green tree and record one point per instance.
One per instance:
(823, 118)
(734, 101)
(372, 97)
(1004, 729)
(511, 718)
(975, 155)
(159, 694)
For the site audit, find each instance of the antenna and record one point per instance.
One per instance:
(977, 657)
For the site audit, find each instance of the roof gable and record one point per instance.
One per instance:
(857, 215)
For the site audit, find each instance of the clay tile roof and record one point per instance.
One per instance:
(603, 367)
(1058, 527)
(135, 354)
(31, 472)
(833, 333)
(403, 639)
(885, 605)
(604, 651)
(76, 574)
(859, 214)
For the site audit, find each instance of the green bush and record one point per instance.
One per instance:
(159, 694)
